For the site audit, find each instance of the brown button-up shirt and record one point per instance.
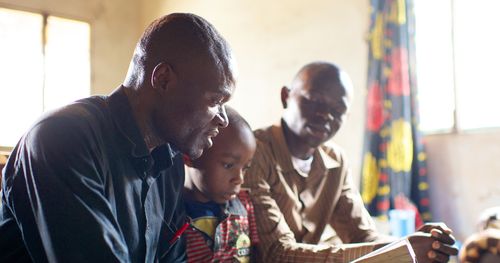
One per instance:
(293, 210)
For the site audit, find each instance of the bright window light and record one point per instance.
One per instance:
(67, 63)
(21, 66)
(457, 59)
(38, 76)
(477, 57)
(434, 64)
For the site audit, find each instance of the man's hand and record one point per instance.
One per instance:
(433, 243)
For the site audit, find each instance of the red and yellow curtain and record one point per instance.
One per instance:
(394, 171)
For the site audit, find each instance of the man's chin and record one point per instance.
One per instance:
(194, 151)
(194, 154)
(315, 143)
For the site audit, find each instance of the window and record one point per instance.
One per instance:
(44, 62)
(458, 52)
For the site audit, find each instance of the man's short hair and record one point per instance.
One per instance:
(184, 40)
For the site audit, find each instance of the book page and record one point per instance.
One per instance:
(399, 251)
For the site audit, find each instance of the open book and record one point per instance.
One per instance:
(396, 252)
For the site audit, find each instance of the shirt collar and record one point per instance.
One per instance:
(328, 160)
(124, 118)
(163, 156)
(235, 207)
(326, 156)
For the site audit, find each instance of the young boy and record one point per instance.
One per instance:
(222, 220)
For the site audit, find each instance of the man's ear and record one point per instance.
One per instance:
(162, 76)
(285, 93)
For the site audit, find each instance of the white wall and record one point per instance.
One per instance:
(273, 39)
(464, 174)
(114, 32)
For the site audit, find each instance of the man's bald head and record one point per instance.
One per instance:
(188, 43)
(321, 73)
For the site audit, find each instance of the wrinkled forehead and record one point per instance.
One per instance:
(333, 84)
(209, 76)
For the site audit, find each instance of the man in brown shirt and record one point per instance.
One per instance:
(301, 188)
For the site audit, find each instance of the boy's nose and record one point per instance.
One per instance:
(238, 178)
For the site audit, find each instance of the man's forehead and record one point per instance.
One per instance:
(225, 91)
(323, 88)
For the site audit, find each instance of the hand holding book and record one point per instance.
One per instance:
(431, 243)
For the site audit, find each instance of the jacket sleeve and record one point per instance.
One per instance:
(350, 219)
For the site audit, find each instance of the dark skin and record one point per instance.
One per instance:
(177, 87)
(316, 106)
(482, 247)
(218, 174)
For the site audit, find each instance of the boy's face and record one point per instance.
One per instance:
(221, 167)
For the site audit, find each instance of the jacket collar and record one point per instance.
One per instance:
(121, 112)
(278, 142)
(123, 116)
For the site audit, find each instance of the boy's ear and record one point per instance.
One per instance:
(187, 160)
(285, 93)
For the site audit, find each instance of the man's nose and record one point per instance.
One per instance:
(222, 119)
(325, 114)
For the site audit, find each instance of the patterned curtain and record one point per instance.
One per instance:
(394, 171)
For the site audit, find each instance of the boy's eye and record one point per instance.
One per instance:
(227, 165)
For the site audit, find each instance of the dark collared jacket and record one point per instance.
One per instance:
(81, 186)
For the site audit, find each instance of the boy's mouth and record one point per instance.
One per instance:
(231, 195)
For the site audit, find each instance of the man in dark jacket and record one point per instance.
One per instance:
(100, 180)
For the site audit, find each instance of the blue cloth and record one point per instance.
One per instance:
(81, 186)
(196, 209)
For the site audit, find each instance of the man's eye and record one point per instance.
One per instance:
(312, 99)
(227, 165)
(216, 102)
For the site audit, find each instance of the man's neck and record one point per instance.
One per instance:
(142, 118)
(297, 147)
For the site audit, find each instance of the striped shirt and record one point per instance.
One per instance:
(293, 212)
(233, 237)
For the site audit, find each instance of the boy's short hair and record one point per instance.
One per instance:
(235, 118)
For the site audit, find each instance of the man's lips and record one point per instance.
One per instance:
(212, 133)
(319, 128)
